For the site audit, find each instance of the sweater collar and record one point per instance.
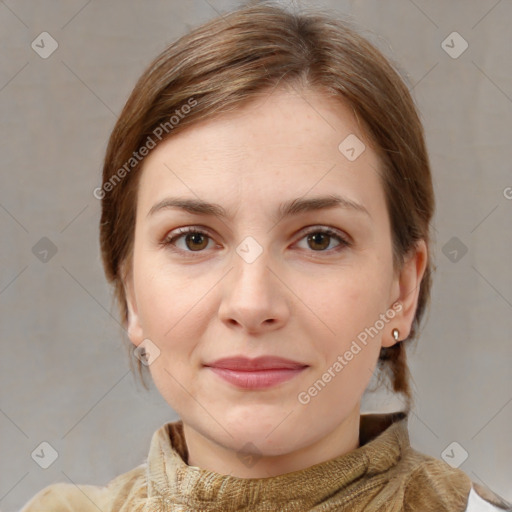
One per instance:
(383, 438)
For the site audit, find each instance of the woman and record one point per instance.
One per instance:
(266, 202)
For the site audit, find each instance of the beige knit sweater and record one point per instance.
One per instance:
(383, 474)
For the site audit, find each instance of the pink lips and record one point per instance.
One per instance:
(262, 372)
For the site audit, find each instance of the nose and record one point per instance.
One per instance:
(254, 298)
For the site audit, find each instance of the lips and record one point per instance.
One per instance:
(241, 363)
(256, 374)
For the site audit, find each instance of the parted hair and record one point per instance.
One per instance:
(223, 64)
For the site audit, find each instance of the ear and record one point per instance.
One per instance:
(407, 286)
(134, 327)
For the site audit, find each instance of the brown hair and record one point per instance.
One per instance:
(227, 62)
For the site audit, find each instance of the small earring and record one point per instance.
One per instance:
(396, 333)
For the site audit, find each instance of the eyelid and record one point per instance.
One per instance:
(329, 230)
(344, 240)
(177, 233)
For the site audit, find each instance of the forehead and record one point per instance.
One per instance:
(283, 142)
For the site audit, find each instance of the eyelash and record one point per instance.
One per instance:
(169, 241)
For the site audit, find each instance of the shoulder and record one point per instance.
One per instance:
(435, 485)
(67, 497)
(482, 499)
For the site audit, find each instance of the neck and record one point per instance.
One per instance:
(209, 454)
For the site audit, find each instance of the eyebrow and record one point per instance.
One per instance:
(286, 209)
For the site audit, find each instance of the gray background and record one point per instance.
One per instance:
(65, 378)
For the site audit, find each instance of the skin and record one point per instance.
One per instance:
(299, 299)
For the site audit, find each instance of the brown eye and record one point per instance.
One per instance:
(196, 241)
(320, 240)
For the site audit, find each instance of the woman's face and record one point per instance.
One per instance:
(256, 283)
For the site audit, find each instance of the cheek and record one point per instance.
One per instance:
(173, 310)
(163, 295)
(169, 310)
(351, 307)
(355, 300)
(352, 344)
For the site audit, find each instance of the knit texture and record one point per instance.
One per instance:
(383, 474)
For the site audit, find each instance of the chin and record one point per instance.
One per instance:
(274, 437)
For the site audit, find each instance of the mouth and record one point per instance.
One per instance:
(259, 373)
(256, 379)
